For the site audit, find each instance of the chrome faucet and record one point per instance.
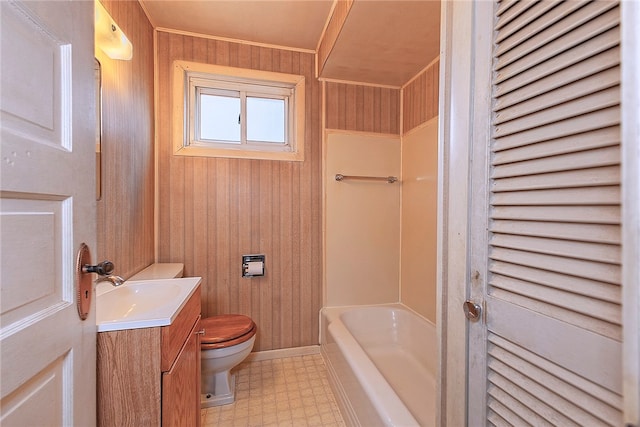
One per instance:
(112, 278)
(104, 271)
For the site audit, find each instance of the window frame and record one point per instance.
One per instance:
(190, 77)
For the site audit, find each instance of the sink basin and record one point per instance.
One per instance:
(136, 300)
(142, 304)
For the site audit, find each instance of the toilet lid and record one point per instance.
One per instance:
(225, 327)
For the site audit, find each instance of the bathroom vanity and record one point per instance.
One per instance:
(149, 375)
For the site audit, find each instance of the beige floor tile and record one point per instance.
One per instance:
(292, 391)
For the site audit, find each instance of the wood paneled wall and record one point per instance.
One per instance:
(420, 98)
(362, 108)
(214, 210)
(125, 212)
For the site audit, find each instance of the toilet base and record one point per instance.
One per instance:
(208, 400)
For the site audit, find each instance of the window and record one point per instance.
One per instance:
(235, 112)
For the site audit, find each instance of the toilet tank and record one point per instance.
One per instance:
(160, 270)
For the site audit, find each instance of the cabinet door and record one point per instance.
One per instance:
(181, 386)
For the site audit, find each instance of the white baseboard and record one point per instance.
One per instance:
(282, 352)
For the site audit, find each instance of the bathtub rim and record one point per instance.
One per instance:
(402, 415)
(340, 308)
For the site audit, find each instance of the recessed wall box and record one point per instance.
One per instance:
(252, 265)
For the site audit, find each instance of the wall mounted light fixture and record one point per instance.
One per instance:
(109, 37)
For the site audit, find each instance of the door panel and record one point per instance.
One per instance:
(46, 211)
(547, 236)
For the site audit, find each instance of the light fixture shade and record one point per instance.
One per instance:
(109, 37)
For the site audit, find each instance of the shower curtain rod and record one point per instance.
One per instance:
(389, 179)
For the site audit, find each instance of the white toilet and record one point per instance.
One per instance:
(227, 340)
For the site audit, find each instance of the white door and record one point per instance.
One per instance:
(550, 265)
(48, 354)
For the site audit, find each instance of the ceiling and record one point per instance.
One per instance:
(384, 42)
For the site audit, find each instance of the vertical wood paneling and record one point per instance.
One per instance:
(311, 178)
(215, 210)
(163, 70)
(200, 216)
(245, 213)
(420, 98)
(125, 231)
(362, 108)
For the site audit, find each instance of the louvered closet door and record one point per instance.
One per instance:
(553, 308)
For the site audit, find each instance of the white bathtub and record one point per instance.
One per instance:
(382, 364)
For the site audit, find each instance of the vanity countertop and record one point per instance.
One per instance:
(142, 303)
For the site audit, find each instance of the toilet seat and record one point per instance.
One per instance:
(226, 330)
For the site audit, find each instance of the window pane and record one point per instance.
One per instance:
(219, 118)
(265, 120)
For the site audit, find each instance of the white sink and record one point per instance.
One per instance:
(142, 304)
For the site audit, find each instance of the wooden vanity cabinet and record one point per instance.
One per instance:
(151, 376)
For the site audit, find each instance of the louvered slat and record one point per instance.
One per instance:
(512, 398)
(504, 390)
(585, 305)
(545, 395)
(580, 214)
(518, 75)
(512, 10)
(607, 156)
(574, 402)
(597, 391)
(562, 35)
(504, 5)
(590, 66)
(608, 175)
(531, 15)
(552, 114)
(506, 414)
(595, 252)
(599, 138)
(586, 123)
(565, 197)
(608, 234)
(607, 273)
(581, 286)
(565, 97)
(496, 420)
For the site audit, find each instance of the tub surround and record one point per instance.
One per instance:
(382, 364)
(362, 243)
(418, 253)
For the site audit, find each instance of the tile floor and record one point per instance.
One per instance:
(292, 391)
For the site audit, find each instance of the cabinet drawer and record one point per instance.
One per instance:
(174, 336)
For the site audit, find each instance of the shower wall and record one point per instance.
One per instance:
(362, 218)
(419, 193)
(419, 197)
(380, 239)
